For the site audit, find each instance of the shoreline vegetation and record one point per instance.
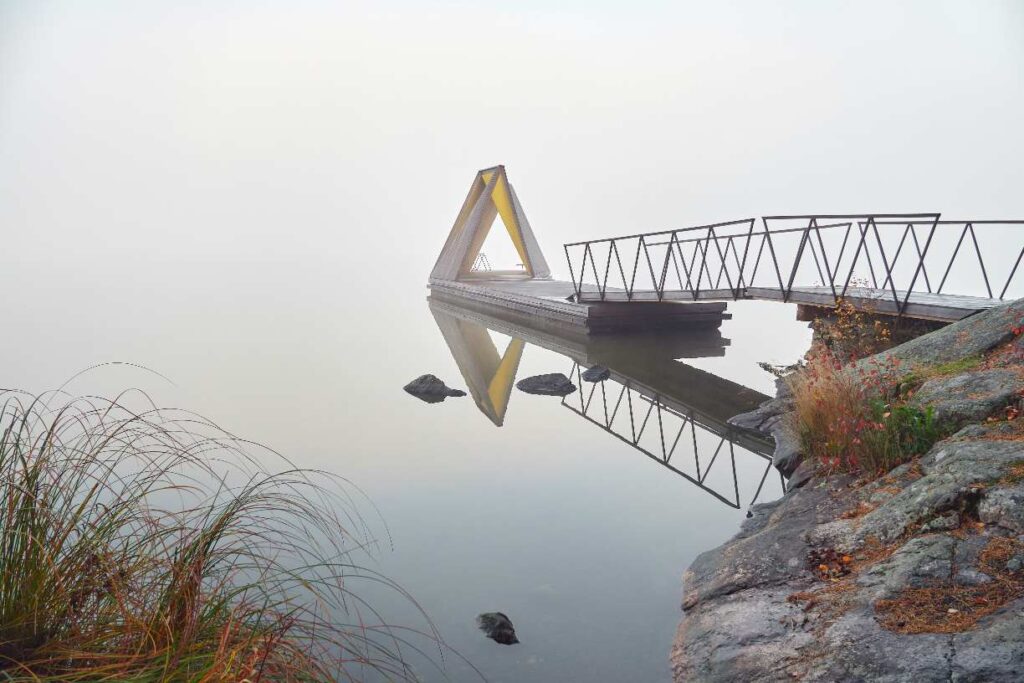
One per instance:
(151, 545)
(897, 552)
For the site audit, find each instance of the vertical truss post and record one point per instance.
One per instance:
(920, 264)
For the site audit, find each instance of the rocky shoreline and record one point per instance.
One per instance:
(917, 575)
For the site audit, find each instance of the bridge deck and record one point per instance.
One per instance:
(921, 305)
(548, 301)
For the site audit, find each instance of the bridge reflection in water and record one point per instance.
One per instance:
(661, 427)
(670, 412)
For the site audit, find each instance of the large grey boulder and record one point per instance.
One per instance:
(965, 338)
(969, 396)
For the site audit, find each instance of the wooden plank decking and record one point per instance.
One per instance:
(920, 305)
(549, 301)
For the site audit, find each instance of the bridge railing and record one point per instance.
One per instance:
(680, 263)
(677, 438)
(886, 257)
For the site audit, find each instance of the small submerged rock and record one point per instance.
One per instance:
(497, 627)
(554, 384)
(597, 373)
(430, 389)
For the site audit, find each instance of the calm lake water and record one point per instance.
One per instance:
(499, 501)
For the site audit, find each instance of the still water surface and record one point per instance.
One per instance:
(551, 511)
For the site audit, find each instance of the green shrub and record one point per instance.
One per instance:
(854, 421)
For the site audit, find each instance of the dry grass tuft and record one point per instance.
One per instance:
(853, 420)
(147, 545)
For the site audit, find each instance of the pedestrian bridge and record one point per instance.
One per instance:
(908, 265)
(913, 265)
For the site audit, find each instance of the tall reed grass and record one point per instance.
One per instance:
(148, 545)
(852, 418)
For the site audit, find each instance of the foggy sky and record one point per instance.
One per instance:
(212, 188)
(335, 132)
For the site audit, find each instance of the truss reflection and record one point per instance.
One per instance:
(625, 411)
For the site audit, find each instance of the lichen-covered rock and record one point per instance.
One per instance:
(966, 338)
(955, 473)
(971, 577)
(741, 622)
(762, 608)
(917, 563)
(993, 650)
(963, 339)
(855, 648)
(788, 454)
(764, 416)
(744, 636)
(1004, 507)
(770, 548)
(969, 396)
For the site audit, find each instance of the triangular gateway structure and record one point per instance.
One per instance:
(490, 196)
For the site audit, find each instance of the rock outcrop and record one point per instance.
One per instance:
(916, 576)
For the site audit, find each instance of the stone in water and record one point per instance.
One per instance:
(497, 627)
(597, 373)
(430, 389)
(555, 384)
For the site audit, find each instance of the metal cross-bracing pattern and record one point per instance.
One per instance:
(686, 263)
(674, 436)
(901, 264)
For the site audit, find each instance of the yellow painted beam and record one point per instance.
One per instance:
(500, 388)
(503, 201)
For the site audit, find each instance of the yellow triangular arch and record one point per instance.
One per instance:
(491, 195)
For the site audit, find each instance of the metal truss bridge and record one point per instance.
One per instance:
(911, 265)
